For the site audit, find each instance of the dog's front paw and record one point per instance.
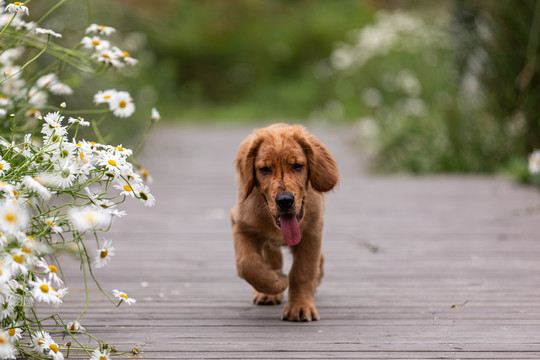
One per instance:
(300, 311)
(260, 298)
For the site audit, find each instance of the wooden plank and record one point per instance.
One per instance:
(400, 252)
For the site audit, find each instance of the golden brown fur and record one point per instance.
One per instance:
(276, 160)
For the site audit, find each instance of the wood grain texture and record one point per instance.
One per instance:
(443, 267)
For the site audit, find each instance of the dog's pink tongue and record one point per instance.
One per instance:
(290, 229)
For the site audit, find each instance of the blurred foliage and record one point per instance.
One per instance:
(239, 59)
(433, 86)
(503, 41)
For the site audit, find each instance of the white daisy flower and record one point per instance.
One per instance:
(119, 149)
(75, 326)
(53, 125)
(12, 217)
(43, 291)
(54, 227)
(9, 56)
(104, 96)
(46, 80)
(534, 162)
(5, 187)
(122, 104)
(47, 32)
(156, 116)
(20, 294)
(109, 57)
(100, 29)
(125, 56)
(51, 271)
(144, 195)
(100, 355)
(38, 99)
(95, 43)
(65, 176)
(54, 350)
(79, 121)
(36, 184)
(18, 261)
(40, 340)
(61, 89)
(125, 190)
(4, 166)
(89, 218)
(7, 306)
(122, 296)
(5, 271)
(104, 254)
(17, 7)
(117, 213)
(27, 145)
(113, 162)
(7, 351)
(15, 334)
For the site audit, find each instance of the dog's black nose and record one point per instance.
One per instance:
(285, 200)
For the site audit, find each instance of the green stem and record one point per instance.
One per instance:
(27, 63)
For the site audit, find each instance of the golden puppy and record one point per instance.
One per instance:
(282, 173)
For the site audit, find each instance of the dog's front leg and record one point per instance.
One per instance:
(251, 266)
(304, 277)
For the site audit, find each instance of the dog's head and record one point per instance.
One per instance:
(281, 162)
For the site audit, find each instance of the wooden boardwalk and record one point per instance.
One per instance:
(443, 267)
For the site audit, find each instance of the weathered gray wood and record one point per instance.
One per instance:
(416, 267)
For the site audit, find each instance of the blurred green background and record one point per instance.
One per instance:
(428, 86)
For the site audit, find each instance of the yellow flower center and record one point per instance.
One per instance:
(1, 166)
(102, 358)
(11, 332)
(18, 3)
(123, 296)
(119, 148)
(10, 217)
(2, 340)
(106, 56)
(93, 143)
(104, 253)
(126, 54)
(127, 188)
(89, 216)
(112, 162)
(54, 348)
(95, 42)
(107, 97)
(53, 269)
(18, 259)
(26, 250)
(101, 27)
(122, 104)
(1, 272)
(44, 288)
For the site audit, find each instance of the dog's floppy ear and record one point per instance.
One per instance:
(245, 164)
(322, 168)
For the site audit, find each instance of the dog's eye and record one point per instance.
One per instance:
(298, 167)
(265, 170)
